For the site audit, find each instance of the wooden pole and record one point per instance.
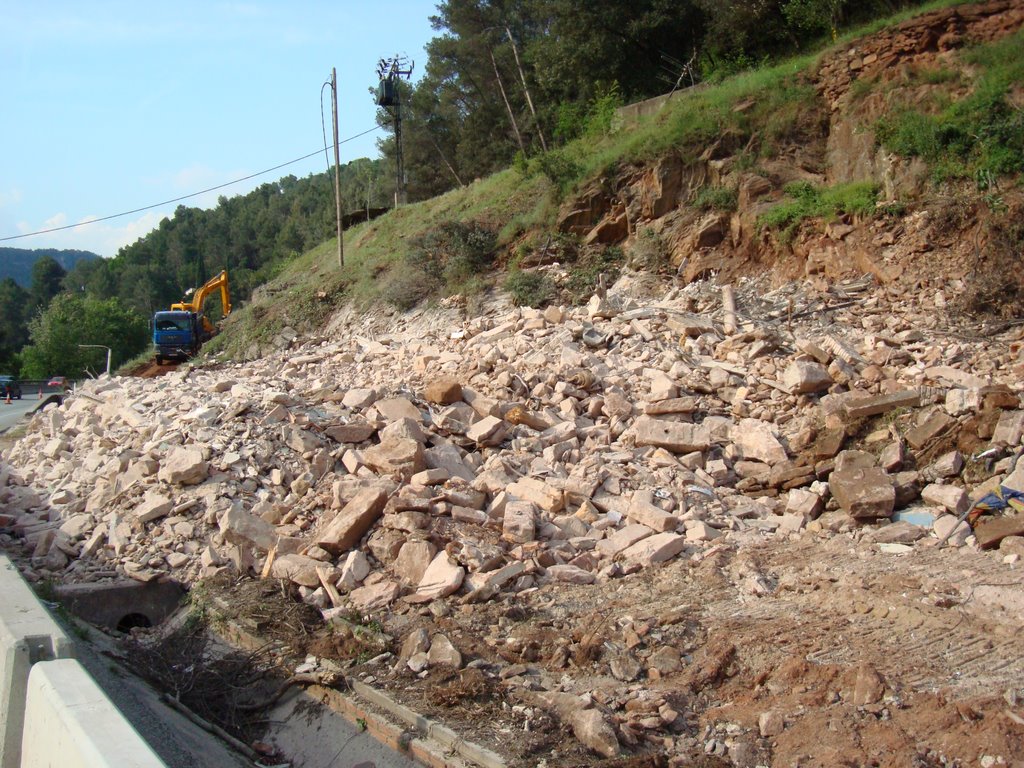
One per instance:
(729, 304)
(337, 163)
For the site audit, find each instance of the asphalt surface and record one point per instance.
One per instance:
(12, 413)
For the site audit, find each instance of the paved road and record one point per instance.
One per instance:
(13, 412)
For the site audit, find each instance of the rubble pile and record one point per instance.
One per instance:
(438, 469)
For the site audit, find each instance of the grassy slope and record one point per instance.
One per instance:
(515, 203)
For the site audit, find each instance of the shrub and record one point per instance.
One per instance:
(404, 288)
(648, 251)
(453, 252)
(529, 289)
(562, 170)
(717, 198)
(589, 266)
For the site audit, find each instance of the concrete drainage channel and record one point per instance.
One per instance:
(414, 738)
(316, 727)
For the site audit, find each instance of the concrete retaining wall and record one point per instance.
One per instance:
(27, 635)
(70, 722)
(51, 711)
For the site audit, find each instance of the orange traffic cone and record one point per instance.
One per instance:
(8, 397)
(40, 393)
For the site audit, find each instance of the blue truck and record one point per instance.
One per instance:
(180, 331)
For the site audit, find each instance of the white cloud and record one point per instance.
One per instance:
(11, 196)
(102, 237)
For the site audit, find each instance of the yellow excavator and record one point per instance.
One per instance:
(179, 332)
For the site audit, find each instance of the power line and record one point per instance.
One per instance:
(184, 197)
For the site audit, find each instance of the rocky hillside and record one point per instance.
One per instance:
(694, 522)
(939, 235)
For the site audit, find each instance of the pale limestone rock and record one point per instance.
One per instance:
(519, 523)
(417, 641)
(374, 597)
(352, 522)
(442, 577)
(296, 568)
(404, 428)
(396, 456)
(359, 398)
(539, 493)
(623, 538)
(951, 497)
(756, 440)
(154, 505)
(177, 559)
(803, 503)
(571, 574)
(184, 466)
(805, 377)
(353, 432)
(642, 511)
(394, 408)
(698, 530)
(594, 732)
(960, 530)
(770, 723)
(413, 559)
(355, 568)
(239, 527)
(489, 430)
(655, 549)
(670, 435)
(447, 457)
(444, 653)
(77, 525)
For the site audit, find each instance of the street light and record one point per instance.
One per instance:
(98, 346)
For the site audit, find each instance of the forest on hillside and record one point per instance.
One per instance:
(505, 82)
(522, 77)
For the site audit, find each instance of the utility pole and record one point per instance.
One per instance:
(337, 164)
(390, 71)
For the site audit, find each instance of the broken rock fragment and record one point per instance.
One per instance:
(351, 523)
(400, 457)
(183, 466)
(864, 492)
(670, 435)
(442, 577)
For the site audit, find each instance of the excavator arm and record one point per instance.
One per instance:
(221, 282)
(211, 285)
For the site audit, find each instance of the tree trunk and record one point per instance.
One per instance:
(526, 90)
(511, 115)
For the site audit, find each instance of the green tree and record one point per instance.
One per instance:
(71, 320)
(13, 330)
(47, 281)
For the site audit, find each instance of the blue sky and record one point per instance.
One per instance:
(112, 106)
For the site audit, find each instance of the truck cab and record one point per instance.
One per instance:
(176, 335)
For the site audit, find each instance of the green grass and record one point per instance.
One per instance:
(983, 133)
(805, 201)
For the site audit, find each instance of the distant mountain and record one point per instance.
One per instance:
(17, 262)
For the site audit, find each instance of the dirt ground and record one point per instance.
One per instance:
(822, 650)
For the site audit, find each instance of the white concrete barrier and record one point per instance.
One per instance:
(28, 634)
(70, 722)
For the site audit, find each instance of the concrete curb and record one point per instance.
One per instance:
(28, 635)
(424, 740)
